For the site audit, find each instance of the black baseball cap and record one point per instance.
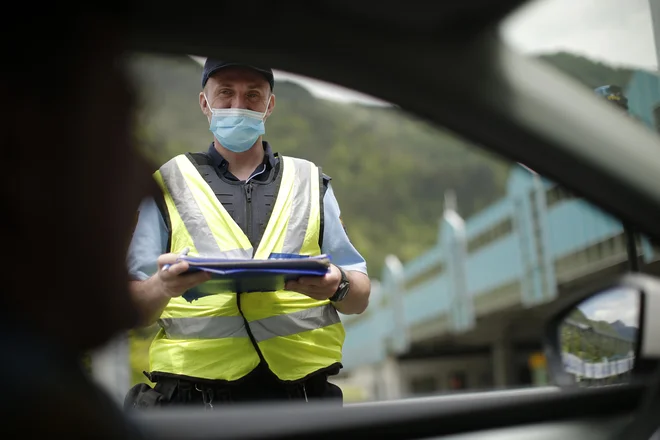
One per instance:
(212, 65)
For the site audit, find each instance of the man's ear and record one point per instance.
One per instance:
(204, 105)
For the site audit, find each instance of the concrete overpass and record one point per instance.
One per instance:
(468, 309)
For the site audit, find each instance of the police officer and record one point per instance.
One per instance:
(613, 94)
(240, 199)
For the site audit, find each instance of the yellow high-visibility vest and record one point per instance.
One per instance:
(220, 336)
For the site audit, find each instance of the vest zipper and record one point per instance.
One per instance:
(248, 216)
(248, 209)
(249, 332)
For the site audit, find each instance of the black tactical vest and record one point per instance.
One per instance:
(249, 204)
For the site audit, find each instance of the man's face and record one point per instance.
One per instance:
(237, 87)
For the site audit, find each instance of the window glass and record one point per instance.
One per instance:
(459, 244)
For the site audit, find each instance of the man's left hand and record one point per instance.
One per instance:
(320, 288)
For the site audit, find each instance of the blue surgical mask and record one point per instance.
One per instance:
(237, 129)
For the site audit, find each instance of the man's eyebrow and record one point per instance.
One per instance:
(258, 87)
(251, 86)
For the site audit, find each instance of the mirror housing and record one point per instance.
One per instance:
(605, 335)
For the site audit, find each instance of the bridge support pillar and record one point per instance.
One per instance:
(503, 362)
(391, 387)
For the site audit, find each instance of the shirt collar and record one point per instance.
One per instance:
(270, 158)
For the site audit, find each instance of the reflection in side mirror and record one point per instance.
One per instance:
(598, 338)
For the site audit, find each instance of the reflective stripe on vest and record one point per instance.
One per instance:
(296, 335)
(213, 327)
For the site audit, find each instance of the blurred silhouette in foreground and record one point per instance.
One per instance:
(71, 183)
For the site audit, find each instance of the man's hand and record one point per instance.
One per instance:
(152, 295)
(320, 288)
(171, 282)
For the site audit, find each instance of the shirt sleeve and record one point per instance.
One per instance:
(149, 241)
(335, 240)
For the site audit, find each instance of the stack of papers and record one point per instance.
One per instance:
(252, 275)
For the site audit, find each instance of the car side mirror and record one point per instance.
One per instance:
(606, 336)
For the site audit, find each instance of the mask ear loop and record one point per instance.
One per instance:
(263, 118)
(208, 105)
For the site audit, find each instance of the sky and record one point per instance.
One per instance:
(618, 304)
(617, 32)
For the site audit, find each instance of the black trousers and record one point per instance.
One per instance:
(259, 386)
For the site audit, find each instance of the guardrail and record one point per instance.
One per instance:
(597, 370)
(456, 397)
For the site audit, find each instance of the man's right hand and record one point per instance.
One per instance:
(171, 281)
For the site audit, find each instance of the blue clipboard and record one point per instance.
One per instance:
(243, 276)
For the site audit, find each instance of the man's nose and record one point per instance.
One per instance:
(239, 102)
